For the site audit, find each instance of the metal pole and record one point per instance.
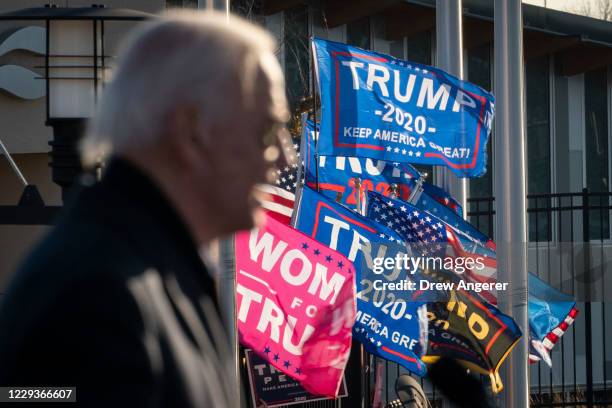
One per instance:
(364, 372)
(510, 200)
(588, 325)
(14, 166)
(226, 290)
(449, 57)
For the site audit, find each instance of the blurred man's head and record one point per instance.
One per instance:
(196, 101)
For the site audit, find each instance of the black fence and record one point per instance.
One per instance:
(569, 234)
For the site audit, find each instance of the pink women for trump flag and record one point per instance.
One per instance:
(295, 301)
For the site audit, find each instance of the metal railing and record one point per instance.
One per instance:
(569, 234)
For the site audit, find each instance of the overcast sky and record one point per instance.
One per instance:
(571, 6)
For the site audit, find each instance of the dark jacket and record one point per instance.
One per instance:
(117, 302)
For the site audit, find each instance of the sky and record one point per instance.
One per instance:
(570, 6)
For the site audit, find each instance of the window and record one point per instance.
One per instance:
(358, 33)
(481, 188)
(182, 4)
(538, 145)
(396, 49)
(479, 73)
(596, 148)
(418, 48)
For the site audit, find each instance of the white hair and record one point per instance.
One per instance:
(196, 58)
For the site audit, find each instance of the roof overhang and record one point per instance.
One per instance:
(76, 13)
(580, 43)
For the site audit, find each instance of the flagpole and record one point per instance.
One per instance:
(313, 77)
(449, 57)
(509, 188)
(362, 354)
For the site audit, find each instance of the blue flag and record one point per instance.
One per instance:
(547, 307)
(388, 326)
(455, 221)
(336, 176)
(551, 312)
(377, 106)
(442, 197)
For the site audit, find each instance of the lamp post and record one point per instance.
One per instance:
(75, 66)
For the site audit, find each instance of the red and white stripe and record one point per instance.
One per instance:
(551, 339)
(278, 203)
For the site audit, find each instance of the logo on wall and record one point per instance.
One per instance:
(16, 80)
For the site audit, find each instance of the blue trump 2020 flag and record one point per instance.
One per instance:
(391, 327)
(336, 176)
(374, 105)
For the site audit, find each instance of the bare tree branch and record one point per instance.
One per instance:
(601, 9)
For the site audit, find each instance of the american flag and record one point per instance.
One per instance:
(431, 236)
(279, 198)
(414, 225)
(540, 350)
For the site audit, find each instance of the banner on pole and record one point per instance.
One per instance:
(294, 308)
(391, 327)
(374, 105)
(473, 331)
(336, 176)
